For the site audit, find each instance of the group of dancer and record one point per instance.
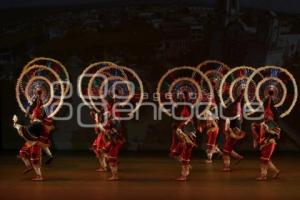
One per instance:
(265, 133)
(110, 138)
(38, 128)
(43, 86)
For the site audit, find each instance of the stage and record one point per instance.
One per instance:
(147, 176)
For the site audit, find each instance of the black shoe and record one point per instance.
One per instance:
(49, 161)
(29, 169)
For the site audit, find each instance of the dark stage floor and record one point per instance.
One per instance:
(73, 176)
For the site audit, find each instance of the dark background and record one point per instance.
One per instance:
(150, 36)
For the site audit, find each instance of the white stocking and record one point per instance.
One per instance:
(26, 162)
(47, 151)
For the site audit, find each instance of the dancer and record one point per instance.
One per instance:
(36, 135)
(114, 140)
(267, 134)
(233, 133)
(42, 87)
(99, 142)
(183, 143)
(36, 112)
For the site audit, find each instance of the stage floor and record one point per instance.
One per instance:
(73, 176)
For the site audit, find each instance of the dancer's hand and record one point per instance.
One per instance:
(15, 119)
(255, 144)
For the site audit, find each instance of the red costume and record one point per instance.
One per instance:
(114, 139)
(232, 137)
(211, 128)
(35, 154)
(47, 128)
(269, 107)
(99, 142)
(266, 135)
(183, 143)
(212, 135)
(37, 138)
(230, 143)
(233, 132)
